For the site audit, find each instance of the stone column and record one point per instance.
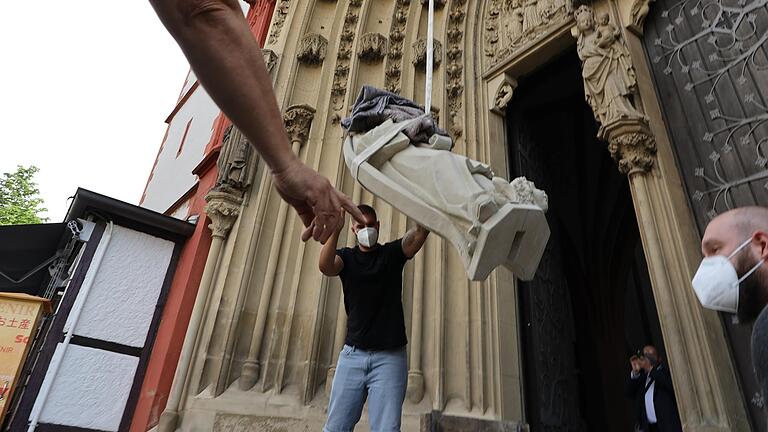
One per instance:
(223, 208)
(415, 390)
(298, 121)
(708, 398)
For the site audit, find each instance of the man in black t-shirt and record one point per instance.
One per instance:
(373, 363)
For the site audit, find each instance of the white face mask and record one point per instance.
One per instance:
(717, 284)
(367, 236)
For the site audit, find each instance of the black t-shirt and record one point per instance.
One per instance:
(372, 283)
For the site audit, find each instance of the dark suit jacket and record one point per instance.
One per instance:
(664, 402)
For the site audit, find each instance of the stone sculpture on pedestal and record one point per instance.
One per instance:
(609, 79)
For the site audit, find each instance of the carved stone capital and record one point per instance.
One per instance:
(373, 47)
(223, 207)
(420, 53)
(631, 144)
(312, 49)
(298, 121)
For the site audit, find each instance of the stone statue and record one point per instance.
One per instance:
(233, 164)
(609, 79)
(531, 17)
(514, 26)
(489, 220)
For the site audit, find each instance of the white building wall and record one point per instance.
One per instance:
(91, 386)
(121, 303)
(172, 175)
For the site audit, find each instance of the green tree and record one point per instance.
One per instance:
(20, 202)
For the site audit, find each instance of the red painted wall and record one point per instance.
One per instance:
(186, 280)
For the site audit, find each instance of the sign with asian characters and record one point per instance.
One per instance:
(19, 316)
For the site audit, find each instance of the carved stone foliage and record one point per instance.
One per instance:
(373, 47)
(280, 14)
(511, 24)
(438, 3)
(222, 208)
(420, 53)
(610, 82)
(631, 145)
(393, 70)
(270, 60)
(298, 120)
(312, 49)
(341, 73)
(235, 163)
(455, 67)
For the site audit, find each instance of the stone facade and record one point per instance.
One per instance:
(272, 325)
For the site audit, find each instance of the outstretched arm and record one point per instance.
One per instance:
(227, 59)
(413, 240)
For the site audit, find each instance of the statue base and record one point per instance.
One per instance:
(514, 237)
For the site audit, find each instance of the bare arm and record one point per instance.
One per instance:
(227, 59)
(330, 263)
(413, 240)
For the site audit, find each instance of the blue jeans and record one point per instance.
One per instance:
(379, 376)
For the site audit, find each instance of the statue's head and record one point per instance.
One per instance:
(603, 19)
(585, 19)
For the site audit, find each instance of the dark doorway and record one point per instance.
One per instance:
(590, 306)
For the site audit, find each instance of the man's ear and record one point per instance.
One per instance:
(761, 237)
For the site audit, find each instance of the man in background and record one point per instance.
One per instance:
(650, 387)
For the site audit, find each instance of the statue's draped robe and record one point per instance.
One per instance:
(608, 79)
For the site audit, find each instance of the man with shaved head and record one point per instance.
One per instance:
(733, 276)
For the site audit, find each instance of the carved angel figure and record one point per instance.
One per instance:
(609, 78)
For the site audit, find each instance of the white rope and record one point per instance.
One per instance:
(430, 57)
